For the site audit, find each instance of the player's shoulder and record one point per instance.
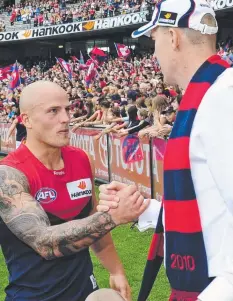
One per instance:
(17, 157)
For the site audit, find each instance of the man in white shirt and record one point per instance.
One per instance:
(184, 32)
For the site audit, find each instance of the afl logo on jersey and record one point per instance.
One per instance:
(46, 195)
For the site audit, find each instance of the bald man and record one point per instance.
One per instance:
(104, 295)
(47, 209)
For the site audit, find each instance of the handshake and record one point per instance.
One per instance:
(123, 202)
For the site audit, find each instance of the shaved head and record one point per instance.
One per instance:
(39, 93)
(44, 108)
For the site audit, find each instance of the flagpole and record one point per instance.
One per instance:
(92, 59)
(16, 62)
(95, 64)
(116, 49)
(81, 57)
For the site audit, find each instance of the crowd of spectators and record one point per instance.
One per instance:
(53, 12)
(124, 98)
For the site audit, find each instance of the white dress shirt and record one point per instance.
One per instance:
(211, 158)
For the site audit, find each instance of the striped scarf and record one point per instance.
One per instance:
(186, 259)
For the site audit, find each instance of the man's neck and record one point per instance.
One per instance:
(190, 67)
(49, 156)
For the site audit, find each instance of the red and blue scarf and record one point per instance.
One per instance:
(186, 259)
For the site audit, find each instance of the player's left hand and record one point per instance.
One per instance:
(119, 283)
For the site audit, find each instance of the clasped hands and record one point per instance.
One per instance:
(123, 202)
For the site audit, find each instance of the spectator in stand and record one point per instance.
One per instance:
(80, 11)
(13, 17)
(2, 26)
(69, 16)
(160, 89)
(159, 105)
(20, 130)
(41, 19)
(144, 122)
(10, 113)
(92, 13)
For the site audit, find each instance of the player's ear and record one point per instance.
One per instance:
(26, 120)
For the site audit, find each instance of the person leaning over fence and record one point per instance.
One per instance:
(21, 133)
(144, 122)
(196, 218)
(48, 215)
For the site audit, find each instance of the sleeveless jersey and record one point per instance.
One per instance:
(21, 130)
(65, 195)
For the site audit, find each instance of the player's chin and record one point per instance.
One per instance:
(60, 142)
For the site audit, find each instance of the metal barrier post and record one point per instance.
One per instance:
(109, 156)
(151, 169)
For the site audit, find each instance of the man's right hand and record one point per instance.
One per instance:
(124, 203)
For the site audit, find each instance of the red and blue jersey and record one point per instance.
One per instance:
(65, 195)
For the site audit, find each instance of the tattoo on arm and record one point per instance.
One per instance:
(24, 216)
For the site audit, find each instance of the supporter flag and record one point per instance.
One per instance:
(131, 149)
(15, 77)
(74, 58)
(83, 67)
(99, 55)
(227, 46)
(128, 65)
(221, 52)
(91, 74)
(82, 62)
(66, 67)
(122, 50)
(91, 61)
(5, 72)
(156, 65)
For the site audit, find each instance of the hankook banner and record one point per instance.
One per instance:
(56, 30)
(221, 4)
(41, 32)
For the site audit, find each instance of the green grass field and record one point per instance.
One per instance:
(132, 247)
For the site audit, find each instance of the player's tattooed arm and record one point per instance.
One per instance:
(26, 219)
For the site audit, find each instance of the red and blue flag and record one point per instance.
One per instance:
(15, 77)
(5, 72)
(66, 67)
(91, 74)
(131, 149)
(98, 55)
(122, 50)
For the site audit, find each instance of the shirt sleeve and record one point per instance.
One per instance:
(125, 118)
(149, 218)
(217, 138)
(138, 127)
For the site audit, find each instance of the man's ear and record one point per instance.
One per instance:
(174, 36)
(26, 120)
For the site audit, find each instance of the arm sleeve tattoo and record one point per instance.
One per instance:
(24, 216)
